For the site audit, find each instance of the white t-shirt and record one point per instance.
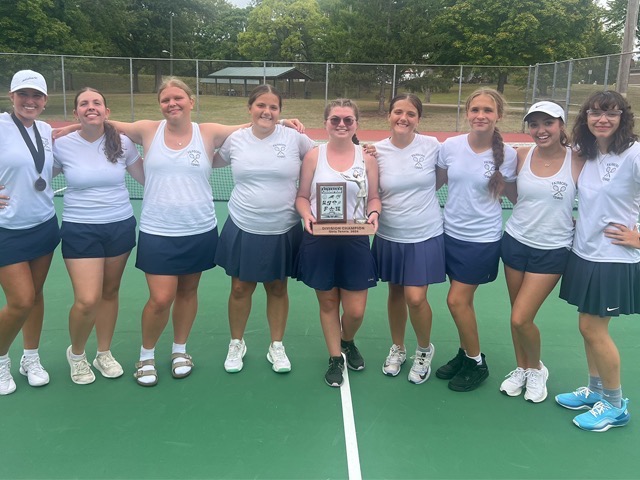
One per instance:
(608, 192)
(471, 213)
(265, 173)
(408, 190)
(543, 216)
(96, 191)
(325, 173)
(27, 206)
(178, 200)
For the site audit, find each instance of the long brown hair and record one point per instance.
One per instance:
(112, 141)
(496, 181)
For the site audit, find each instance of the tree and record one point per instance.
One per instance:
(290, 30)
(215, 29)
(616, 16)
(515, 32)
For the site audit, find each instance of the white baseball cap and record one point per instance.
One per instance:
(550, 108)
(28, 79)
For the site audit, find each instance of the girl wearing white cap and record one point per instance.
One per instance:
(28, 225)
(537, 238)
(603, 271)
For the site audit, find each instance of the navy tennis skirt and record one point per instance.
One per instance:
(17, 246)
(470, 262)
(258, 258)
(327, 262)
(410, 264)
(603, 289)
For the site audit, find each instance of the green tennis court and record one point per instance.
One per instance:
(261, 425)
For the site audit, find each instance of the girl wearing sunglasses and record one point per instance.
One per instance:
(339, 268)
(603, 271)
(476, 167)
(409, 244)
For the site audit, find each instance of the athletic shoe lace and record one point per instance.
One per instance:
(5, 372)
(235, 351)
(419, 363)
(599, 408)
(518, 375)
(583, 392)
(395, 356)
(534, 378)
(277, 352)
(107, 361)
(81, 367)
(32, 364)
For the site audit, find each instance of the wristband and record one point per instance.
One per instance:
(372, 212)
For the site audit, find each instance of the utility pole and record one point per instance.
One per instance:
(628, 41)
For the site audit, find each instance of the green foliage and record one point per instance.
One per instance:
(289, 30)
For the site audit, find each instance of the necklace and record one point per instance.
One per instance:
(179, 144)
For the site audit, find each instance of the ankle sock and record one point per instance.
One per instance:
(478, 359)
(613, 396)
(30, 353)
(423, 349)
(595, 384)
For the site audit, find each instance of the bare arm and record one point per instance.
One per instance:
(623, 235)
(511, 191)
(441, 177)
(303, 198)
(136, 170)
(4, 199)
(373, 202)
(138, 131)
(577, 163)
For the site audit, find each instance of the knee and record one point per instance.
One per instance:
(160, 303)
(241, 290)
(455, 302)
(276, 289)
(416, 301)
(86, 305)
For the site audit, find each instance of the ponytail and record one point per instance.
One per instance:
(112, 143)
(496, 182)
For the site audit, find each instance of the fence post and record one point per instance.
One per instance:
(606, 72)
(459, 98)
(526, 94)
(133, 115)
(568, 99)
(535, 83)
(555, 76)
(393, 82)
(326, 84)
(197, 89)
(264, 73)
(64, 88)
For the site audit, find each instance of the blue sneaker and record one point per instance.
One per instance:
(581, 399)
(603, 416)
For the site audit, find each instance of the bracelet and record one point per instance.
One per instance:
(372, 212)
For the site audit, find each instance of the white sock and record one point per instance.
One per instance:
(4, 358)
(76, 357)
(102, 353)
(30, 353)
(478, 358)
(147, 355)
(180, 348)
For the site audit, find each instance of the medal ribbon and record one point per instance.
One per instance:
(38, 155)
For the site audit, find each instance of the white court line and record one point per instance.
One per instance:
(55, 192)
(350, 437)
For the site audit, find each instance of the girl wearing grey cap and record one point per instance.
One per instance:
(536, 241)
(28, 225)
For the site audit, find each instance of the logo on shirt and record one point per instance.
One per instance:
(558, 190)
(418, 158)
(194, 158)
(280, 149)
(489, 168)
(46, 145)
(609, 171)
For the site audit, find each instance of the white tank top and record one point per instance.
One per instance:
(177, 195)
(542, 218)
(324, 173)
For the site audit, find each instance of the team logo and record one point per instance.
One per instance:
(558, 190)
(194, 157)
(280, 149)
(489, 168)
(418, 158)
(45, 144)
(610, 170)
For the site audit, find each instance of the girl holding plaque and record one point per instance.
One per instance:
(409, 244)
(339, 268)
(98, 229)
(28, 225)
(475, 166)
(261, 237)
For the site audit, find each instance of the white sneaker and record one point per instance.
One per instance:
(395, 359)
(515, 382)
(31, 368)
(237, 350)
(7, 385)
(536, 384)
(278, 358)
(421, 368)
(107, 365)
(80, 369)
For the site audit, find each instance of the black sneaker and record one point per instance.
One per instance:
(354, 359)
(452, 367)
(334, 377)
(470, 376)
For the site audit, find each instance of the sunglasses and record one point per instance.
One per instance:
(348, 121)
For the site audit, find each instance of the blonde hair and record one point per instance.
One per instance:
(343, 102)
(175, 82)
